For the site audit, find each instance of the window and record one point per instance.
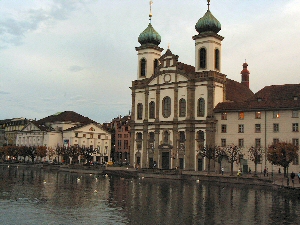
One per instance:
(224, 116)
(223, 128)
(166, 107)
(257, 143)
(125, 144)
(181, 136)
(91, 136)
(217, 59)
(84, 135)
(201, 107)
(257, 128)
(151, 110)
(202, 58)
(257, 115)
(223, 142)
(182, 108)
(276, 114)
(241, 115)
(151, 136)
(139, 136)
(76, 134)
(295, 114)
(139, 111)
(200, 136)
(155, 64)
(275, 141)
(295, 127)
(143, 67)
(241, 143)
(241, 128)
(275, 127)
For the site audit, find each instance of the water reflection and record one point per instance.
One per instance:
(35, 196)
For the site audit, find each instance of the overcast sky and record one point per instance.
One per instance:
(79, 55)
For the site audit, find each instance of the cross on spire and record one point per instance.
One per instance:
(150, 14)
(208, 3)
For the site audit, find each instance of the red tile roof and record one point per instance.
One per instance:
(273, 97)
(236, 91)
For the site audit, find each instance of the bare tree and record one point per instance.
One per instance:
(233, 154)
(255, 154)
(209, 152)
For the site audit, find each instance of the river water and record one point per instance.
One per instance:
(36, 196)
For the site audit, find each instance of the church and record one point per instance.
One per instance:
(177, 109)
(173, 102)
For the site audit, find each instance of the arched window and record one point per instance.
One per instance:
(139, 136)
(139, 111)
(201, 107)
(166, 107)
(143, 67)
(182, 107)
(166, 137)
(181, 136)
(155, 64)
(217, 59)
(151, 136)
(151, 110)
(202, 58)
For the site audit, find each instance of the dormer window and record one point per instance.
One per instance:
(295, 98)
(259, 99)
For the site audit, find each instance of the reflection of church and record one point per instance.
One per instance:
(173, 103)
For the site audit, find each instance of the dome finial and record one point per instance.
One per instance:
(208, 3)
(150, 14)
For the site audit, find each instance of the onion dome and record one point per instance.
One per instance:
(208, 23)
(149, 36)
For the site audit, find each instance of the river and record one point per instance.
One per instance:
(36, 196)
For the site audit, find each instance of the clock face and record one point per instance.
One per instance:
(167, 78)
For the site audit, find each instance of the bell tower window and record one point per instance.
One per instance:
(143, 67)
(155, 64)
(202, 58)
(166, 107)
(139, 111)
(217, 59)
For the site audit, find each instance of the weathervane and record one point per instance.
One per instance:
(150, 14)
(208, 3)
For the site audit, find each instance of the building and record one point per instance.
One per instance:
(67, 129)
(264, 119)
(122, 139)
(12, 127)
(173, 103)
(177, 109)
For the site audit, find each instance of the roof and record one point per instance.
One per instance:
(236, 91)
(272, 97)
(66, 116)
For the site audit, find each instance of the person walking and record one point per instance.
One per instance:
(265, 171)
(222, 171)
(293, 177)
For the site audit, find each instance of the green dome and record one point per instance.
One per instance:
(149, 36)
(208, 23)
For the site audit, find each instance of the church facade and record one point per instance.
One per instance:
(173, 103)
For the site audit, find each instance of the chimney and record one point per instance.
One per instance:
(245, 75)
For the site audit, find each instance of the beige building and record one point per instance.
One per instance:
(179, 108)
(270, 116)
(173, 103)
(66, 129)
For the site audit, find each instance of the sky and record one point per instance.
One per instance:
(79, 55)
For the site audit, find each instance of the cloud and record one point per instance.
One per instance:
(75, 68)
(4, 93)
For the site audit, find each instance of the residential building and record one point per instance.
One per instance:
(67, 129)
(12, 127)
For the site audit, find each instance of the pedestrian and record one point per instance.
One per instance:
(299, 177)
(222, 171)
(239, 173)
(292, 177)
(279, 170)
(249, 170)
(265, 171)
